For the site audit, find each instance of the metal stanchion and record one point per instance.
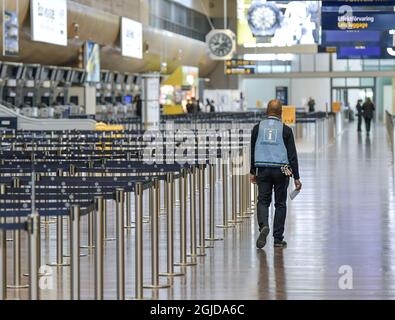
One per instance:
(3, 263)
(235, 218)
(212, 205)
(16, 183)
(170, 228)
(99, 249)
(192, 191)
(242, 191)
(120, 214)
(91, 235)
(164, 197)
(183, 220)
(225, 223)
(2, 192)
(33, 228)
(155, 239)
(105, 219)
(139, 241)
(75, 252)
(59, 244)
(129, 223)
(202, 210)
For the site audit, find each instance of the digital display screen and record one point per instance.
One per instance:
(278, 23)
(127, 99)
(359, 29)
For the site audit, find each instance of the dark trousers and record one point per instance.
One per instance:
(267, 180)
(368, 121)
(359, 123)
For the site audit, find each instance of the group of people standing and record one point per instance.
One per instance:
(365, 111)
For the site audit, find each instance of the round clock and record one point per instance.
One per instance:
(221, 44)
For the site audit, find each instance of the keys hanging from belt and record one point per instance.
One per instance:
(287, 170)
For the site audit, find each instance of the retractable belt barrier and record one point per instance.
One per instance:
(48, 177)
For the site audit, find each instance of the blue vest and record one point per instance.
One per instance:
(270, 150)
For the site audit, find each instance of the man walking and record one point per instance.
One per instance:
(368, 112)
(273, 148)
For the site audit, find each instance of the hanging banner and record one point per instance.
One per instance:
(92, 61)
(10, 33)
(132, 38)
(49, 21)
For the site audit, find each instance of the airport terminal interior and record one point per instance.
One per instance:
(127, 167)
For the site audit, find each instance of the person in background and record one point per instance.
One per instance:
(210, 105)
(273, 148)
(195, 105)
(358, 107)
(368, 113)
(139, 105)
(311, 104)
(189, 106)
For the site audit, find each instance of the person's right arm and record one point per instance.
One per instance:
(254, 137)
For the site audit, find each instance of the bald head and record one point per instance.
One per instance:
(274, 108)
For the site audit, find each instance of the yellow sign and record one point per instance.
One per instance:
(289, 115)
(336, 106)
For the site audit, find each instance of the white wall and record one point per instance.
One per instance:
(318, 88)
(299, 91)
(224, 100)
(387, 98)
(262, 90)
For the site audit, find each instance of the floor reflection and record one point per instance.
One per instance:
(279, 274)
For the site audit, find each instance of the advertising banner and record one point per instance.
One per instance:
(49, 21)
(10, 33)
(278, 23)
(92, 61)
(131, 38)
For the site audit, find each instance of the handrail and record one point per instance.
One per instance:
(390, 125)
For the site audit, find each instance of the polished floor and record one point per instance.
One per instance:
(344, 218)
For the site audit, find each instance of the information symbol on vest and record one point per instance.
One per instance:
(270, 136)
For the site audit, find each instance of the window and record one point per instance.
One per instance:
(174, 17)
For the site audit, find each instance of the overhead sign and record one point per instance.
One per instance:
(10, 33)
(289, 115)
(240, 67)
(132, 38)
(359, 29)
(49, 21)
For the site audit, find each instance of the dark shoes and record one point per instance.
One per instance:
(261, 242)
(280, 244)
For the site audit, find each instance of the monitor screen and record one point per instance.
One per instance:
(127, 99)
